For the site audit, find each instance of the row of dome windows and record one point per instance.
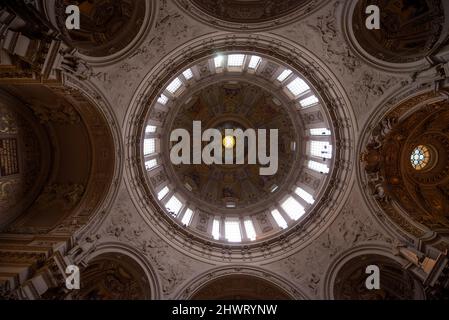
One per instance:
(234, 229)
(294, 85)
(292, 208)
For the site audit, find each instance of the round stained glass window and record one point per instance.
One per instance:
(420, 157)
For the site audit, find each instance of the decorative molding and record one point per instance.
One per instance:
(304, 9)
(196, 283)
(337, 51)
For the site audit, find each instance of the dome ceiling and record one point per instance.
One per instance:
(235, 202)
(409, 29)
(235, 105)
(239, 214)
(107, 26)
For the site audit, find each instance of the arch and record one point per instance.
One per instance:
(94, 95)
(264, 277)
(148, 272)
(249, 15)
(346, 275)
(73, 192)
(240, 287)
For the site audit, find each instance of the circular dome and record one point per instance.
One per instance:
(272, 123)
(107, 26)
(234, 105)
(409, 32)
(249, 14)
(222, 74)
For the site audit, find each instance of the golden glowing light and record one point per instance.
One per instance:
(228, 142)
(420, 157)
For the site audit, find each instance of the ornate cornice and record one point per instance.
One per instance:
(195, 284)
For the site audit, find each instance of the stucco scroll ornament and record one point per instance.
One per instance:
(337, 50)
(435, 73)
(173, 269)
(76, 66)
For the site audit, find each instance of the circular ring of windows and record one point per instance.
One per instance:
(311, 147)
